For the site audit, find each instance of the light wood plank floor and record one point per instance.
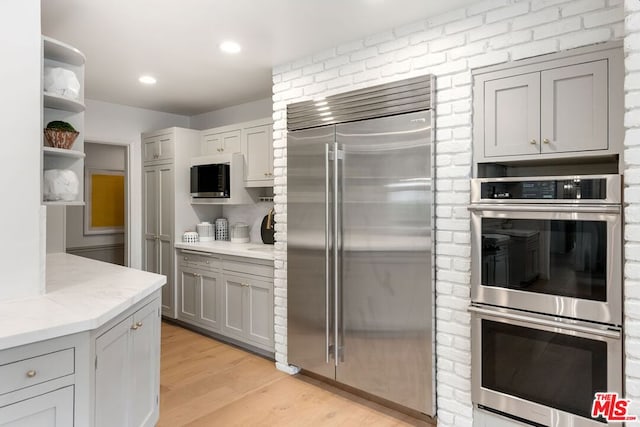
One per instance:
(204, 382)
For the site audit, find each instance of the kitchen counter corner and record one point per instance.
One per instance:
(81, 294)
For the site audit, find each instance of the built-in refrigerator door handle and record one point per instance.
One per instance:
(336, 257)
(327, 251)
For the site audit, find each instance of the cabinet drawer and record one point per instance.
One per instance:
(194, 260)
(36, 370)
(248, 268)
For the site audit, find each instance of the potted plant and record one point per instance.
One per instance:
(60, 134)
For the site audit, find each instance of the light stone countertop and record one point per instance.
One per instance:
(247, 250)
(82, 294)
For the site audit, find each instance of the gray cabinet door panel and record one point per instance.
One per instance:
(189, 289)
(234, 322)
(512, 116)
(574, 108)
(112, 376)
(260, 312)
(54, 409)
(210, 295)
(145, 366)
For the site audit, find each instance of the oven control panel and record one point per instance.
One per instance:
(552, 189)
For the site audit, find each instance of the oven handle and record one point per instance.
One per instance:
(603, 209)
(606, 333)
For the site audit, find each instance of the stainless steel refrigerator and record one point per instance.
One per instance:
(360, 292)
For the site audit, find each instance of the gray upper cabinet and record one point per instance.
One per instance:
(551, 106)
(573, 114)
(512, 115)
(221, 142)
(158, 147)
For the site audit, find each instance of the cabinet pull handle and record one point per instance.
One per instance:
(533, 142)
(31, 373)
(546, 140)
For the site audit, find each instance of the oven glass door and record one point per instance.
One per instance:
(559, 263)
(544, 363)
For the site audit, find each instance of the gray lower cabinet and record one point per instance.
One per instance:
(230, 296)
(43, 384)
(53, 409)
(248, 309)
(127, 367)
(105, 377)
(199, 293)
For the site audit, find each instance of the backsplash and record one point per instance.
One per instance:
(249, 214)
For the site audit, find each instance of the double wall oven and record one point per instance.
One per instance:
(546, 296)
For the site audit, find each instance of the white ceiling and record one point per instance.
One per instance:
(176, 41)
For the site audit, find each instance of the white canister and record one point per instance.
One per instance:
(205, 231)
(190, 237)
(222, 229)
(240, 233)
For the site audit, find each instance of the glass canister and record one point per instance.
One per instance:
(222, 229)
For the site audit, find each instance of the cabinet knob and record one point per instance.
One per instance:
(139, 324)
(222, 149)
(246, 285)
(31, 373)
(546, 140)
(134, 326)
(533, 142)
(186, 258)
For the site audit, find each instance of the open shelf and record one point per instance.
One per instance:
(58, 102)
(66, 109)
(63, 203)
(62, 52)
(63, 152)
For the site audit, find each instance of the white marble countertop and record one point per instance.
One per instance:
(82, 294)
(247, 250)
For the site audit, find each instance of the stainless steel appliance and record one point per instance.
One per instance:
(546, 296)
(564, 251)
(211, 180)
(360, 246)
(541, 369)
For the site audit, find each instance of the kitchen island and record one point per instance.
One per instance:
(85, 353)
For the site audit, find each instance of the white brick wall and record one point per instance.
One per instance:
(447, 46)
(632, 201)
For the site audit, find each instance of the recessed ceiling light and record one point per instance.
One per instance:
(148, 80)
(230, 46)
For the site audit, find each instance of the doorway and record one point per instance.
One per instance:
(99, 230)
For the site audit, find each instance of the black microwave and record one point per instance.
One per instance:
(210, 181)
